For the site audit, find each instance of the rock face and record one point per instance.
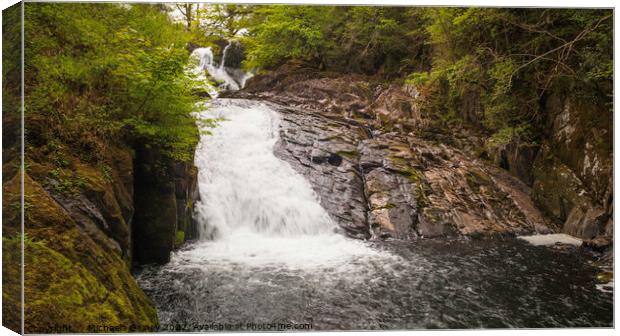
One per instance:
(78, 219)
(165, 193)
(186, 194)
(421, 179)
(81, 225)
(573, 170)
(325, 151)
(380, 184)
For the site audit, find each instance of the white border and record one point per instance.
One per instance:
(482, 3)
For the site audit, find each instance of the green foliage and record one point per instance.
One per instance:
(418, 78)
(223, 20)
(67, 181)
(98, 71)
(359, 39)
(492, 67)
(28, 240)
(509, 59)
(108, 71)
(509, 134)
(284, 32)
(17, 204)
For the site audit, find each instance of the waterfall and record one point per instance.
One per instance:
(245, 187)
(222, 63)
(205, 62)
(229, 79)
(254, 207)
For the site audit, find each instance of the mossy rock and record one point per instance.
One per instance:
(59, 290)
(179, 239)
(70, 279)
(351, 155)
(402, 167)
(11, 285)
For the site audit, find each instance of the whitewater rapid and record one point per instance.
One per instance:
(255, 208)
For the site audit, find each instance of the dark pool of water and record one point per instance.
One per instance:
(429, 284)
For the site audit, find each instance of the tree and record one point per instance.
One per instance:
(187, 11)
(225, 21)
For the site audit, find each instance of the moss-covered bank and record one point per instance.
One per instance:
(79, 223)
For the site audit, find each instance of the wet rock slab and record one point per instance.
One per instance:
(390, 185)
(325, 151)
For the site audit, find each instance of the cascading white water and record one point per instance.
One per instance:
(224, 52)
(219, 73)
(205, 60)
(254, 207)
(244, 186)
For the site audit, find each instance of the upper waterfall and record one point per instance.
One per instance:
(226, 78)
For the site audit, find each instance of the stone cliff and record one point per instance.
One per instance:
(384, 168)
(87, 220)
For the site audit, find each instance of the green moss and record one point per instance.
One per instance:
(403, 168)
(476, 178)
(106, 171)
(386, 122)
(71, 181)
(179, 239)
(420, 196)
(70, 279)
(413, 176)
(11, 284)
(59, 289)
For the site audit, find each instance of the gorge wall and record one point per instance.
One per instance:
(85, 224)
(373, 154)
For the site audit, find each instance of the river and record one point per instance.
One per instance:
(269, 257)
(268, 253)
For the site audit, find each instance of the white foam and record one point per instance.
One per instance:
(606, 288)
(306, 252)
(552, 239)
(204, 56)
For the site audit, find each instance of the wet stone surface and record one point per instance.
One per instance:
(390, 185)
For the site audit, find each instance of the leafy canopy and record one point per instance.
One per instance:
(97, 71)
